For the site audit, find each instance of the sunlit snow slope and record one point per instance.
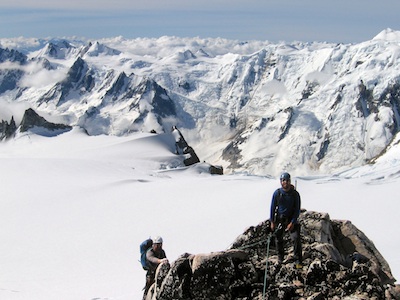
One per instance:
(74, 209)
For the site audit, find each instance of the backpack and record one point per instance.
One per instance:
(144, 246)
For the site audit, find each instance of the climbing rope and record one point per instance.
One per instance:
(253, 244)
(266, 262)
(266, 266)
(268, 240)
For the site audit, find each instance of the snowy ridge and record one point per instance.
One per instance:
(310, 108)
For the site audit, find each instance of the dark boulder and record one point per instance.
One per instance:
(218, 170)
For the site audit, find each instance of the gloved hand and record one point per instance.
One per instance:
(164, 260)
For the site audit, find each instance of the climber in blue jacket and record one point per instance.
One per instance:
(285, 210)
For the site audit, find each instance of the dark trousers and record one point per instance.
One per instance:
(150, 277)
(294, 237)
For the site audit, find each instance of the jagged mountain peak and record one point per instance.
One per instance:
(58, 49)
(201, 53)
(33, 122)
(11, 55)
(326, 106)
(96, 49)
(78, 81)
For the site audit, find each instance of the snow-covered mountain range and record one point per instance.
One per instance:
(258, 107)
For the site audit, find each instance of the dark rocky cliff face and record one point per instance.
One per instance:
(340, 262)
(12, 56)
(9, 77)
(31, 121)
(79, 81)
(7, 130)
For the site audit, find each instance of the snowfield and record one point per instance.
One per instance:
(74, 209)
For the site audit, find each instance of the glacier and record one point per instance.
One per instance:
(255, 107)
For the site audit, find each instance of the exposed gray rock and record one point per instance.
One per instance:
(340, 262)
(31, 120)
(9, 80)
(192, 157)
(218, 170)
(182, 147)
(10, 77)
(12, 55)
(7, 130)
(232, 152)
(79, 80)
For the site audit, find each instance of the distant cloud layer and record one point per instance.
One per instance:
(286, 20)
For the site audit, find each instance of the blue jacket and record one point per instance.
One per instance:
(289, 204)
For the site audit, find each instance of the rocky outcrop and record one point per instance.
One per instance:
(10, 76)
(190, 156)
(182, 147)
(31, 120)
(217, 170)
(340, 262)
(7, 130)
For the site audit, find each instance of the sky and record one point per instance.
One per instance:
(74, 209)
(286, 20)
